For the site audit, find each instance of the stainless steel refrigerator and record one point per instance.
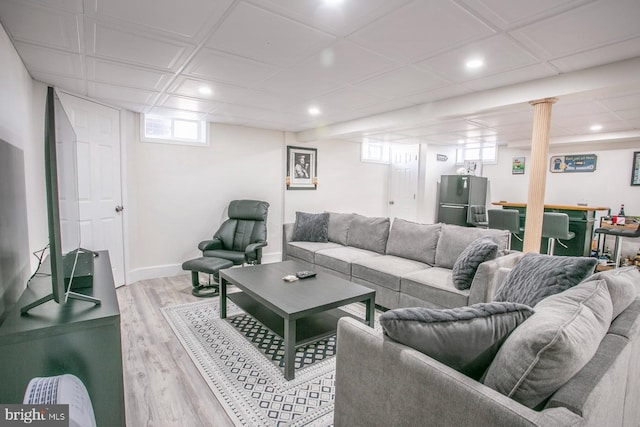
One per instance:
(457, 193)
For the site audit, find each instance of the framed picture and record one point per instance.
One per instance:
(517, 167)
(302, 168)
(573, 163)
(635, 169)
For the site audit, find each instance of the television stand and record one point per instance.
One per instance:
(68, 295)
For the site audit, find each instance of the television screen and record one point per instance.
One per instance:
(63, 207)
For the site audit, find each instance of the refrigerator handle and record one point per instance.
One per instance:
(454, 206)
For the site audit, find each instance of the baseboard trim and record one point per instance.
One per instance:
(170, 270)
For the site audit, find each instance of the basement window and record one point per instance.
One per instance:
(375, 152)
(486, 152)
(173, 130)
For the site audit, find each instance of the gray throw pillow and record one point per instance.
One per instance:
(413, 240)
(479, 251)
(622, 284)
(339, 224)
(464, 338)
(454, 239)
(537, 276)
(370, 233)
(551, 346)
(311, 227)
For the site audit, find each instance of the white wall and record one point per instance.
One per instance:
(178, 195)
(345, 184)
(609, 186)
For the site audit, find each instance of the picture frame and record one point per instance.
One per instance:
(517, 166)
(635, 169)
(302, 168)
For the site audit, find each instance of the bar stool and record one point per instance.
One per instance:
(505, 219)
(555, 226)
(478, 216)
(618, 233)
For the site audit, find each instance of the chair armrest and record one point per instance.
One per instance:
(485, 284)
(208, 245)
(252, 247)
(381, 382)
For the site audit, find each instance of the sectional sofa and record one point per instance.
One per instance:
(591, 330)
(406, 263)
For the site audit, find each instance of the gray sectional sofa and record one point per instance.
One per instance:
(380, 381)
(406, 263)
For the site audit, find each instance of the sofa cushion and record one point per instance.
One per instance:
(311, 227)
(306, 250)
(479, 251)
(385, 270)
(552, 345)
(413, 241)
(622, 284)
(339, 227)
(465, 338)
(340, 259)
(454, 239)
(369, 233)
(435, 286)
(537, 276)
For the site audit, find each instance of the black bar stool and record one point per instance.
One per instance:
(618, 233)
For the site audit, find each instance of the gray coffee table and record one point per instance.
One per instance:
(300, 312)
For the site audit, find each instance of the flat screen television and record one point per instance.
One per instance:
(67, 259)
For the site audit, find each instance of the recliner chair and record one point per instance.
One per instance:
(240, 238)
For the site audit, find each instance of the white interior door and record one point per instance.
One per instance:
(97, 130)
(403, 181)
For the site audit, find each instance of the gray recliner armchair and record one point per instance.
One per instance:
(240, 238)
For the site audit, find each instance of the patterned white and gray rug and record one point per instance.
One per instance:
(241, 360)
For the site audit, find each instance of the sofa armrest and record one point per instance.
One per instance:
(287, 233)
(486, 281)
(382, 382)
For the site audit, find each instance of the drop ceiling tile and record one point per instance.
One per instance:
(498, 53)
(599, 56)
(258, 34)
(506, 15)
(421, 29)
(344, 62)
(341, 18)
(345, 98)
(125, 75)
(629, 115)
(72, 6)
(31, 23)
(119, 93)
(182, 18)
(448, 91)
(115, 43)
(176, 113)
(592, 25)
(68, 83)
(520, 75)
(402, 82)
(270, 101)
(50, 61)
(189, 104)
(219, 92)
(292, 83)
(607, 126)
(562, 110)
(624, 102)
(211, 65)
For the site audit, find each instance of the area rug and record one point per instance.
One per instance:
(241, 361)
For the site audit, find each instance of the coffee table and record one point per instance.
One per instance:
(300, 312)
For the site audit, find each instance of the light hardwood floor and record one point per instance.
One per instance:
(162, 385)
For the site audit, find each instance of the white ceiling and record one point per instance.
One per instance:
(387, 69)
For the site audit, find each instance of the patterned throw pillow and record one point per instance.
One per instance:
(479, 251)
(311, 227)
(464, 338)
(537, 276)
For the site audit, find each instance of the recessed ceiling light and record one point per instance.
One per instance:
(205, 90)
(595, 128)
(333, 2)
(461, 141)
(314, 111)
(473, 64)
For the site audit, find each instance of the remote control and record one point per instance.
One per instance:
(305, 274)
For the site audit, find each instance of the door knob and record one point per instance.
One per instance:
(391, 202)
(119, 208)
